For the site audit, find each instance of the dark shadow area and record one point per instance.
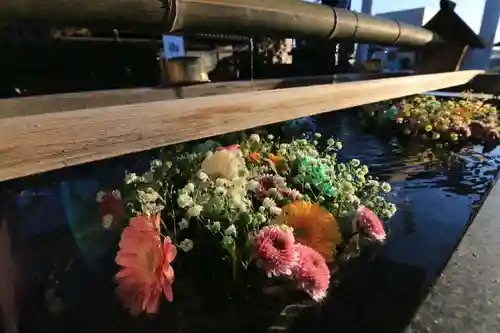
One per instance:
(60, 66)
(372, 296)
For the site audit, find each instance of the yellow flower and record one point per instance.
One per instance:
(313, 226)
(223, 164)
(454, 136)
(428, 128)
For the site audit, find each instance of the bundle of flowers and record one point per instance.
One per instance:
(284, 211)
(450, 121)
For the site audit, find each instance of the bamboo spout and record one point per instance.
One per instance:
(292, 18)
(277, 18)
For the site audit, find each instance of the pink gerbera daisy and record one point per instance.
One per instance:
(145, 266)
(273, 248)
(311, 272)
(368, 222)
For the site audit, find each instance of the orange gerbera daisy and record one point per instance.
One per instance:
(313, 226)
(145, 266)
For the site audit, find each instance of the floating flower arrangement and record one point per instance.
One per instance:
(286, 212)
(446, 121)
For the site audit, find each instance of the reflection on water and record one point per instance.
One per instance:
(437, 196)
(63, 277)
(436, 200)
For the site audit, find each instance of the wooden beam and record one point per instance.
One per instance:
(39, 143)
(24, 106)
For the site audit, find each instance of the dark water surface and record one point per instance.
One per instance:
(436, 199)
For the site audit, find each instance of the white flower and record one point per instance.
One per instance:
(189, 188)
(270, 137)
(386, 187)
(268, 203)
(253, 185)
(202, 175)
(275, 210)
(107, 221)
(230, 231)
(392, 207)
(386, 214)
(273, 191)
(355, 162)
(99, 196)
(330, 142)
(239, 187)
(130, 178)
(147, 195)
(149, 177)
(261, 218)
(223, 164)
(295, 195)
(353, 199)
(238, 202)
(194, 211)
(254, 138)
(215, 226)
(219, 190)
(317, 135)
(156, 163)
(338, 145)
(183, 224)
(184, 200)
(186, 245)
(227, 241)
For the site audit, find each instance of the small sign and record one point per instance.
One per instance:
(173, 46)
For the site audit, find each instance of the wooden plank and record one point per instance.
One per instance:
(23, 106)
(39, 143)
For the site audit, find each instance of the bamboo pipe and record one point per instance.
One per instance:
(277, 18)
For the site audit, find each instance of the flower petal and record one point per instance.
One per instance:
(168, 292)
(169, 250)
